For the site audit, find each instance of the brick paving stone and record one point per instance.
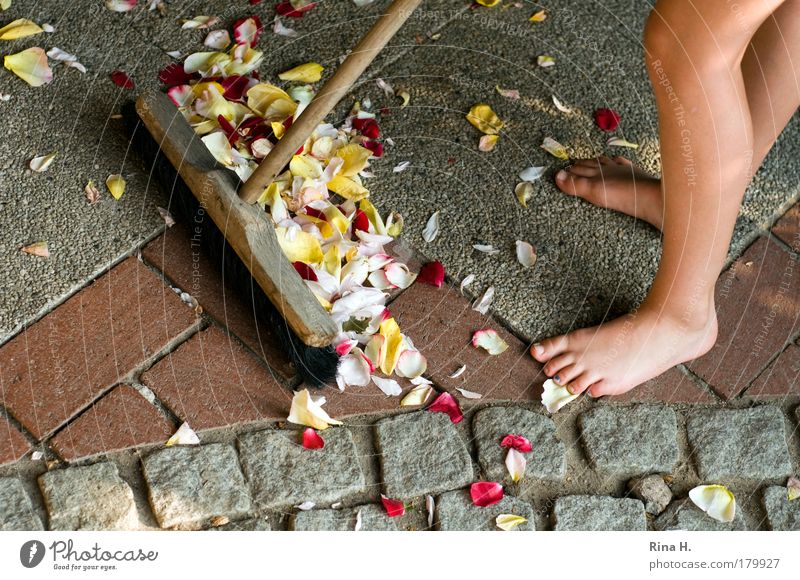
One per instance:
(248, 525)
(282, 473)
(441, 322)
(782, 514)
(16, 510)
(13, 444)
(739, 443)
(120, 420)
(788, 227)
(780, 379)
(631, 440)
(212, 381)
(598, 513)
(548, 459)
(684, 515)
(188, 486)
(671, 387)
(757, 309)
(60, 364)
(421, 453)
(194, 272)
(455, 512)
(373, 519)
(94, 497)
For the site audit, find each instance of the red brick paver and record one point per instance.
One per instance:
(60, 364)
(212, 381)
(780, 379)
(673, 386)
(120, 420)
(758, 307)
(191, 270)
(441, 322)
(788, 228)
(13, 444)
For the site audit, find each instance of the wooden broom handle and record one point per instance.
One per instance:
(329, 96)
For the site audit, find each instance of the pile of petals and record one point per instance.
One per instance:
(328, 229)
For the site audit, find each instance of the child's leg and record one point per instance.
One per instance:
(694, 53)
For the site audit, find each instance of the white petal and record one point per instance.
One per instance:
(305, 506)
(42, 163)
(281, 30)
(508, 522)
(532, 173)
(490, 341)
(400, 167)
(555, 396)
(353, 370)
(466, 282)
(390, 387)
(560, 106)
(620, 142)
(183, 436)
(385, 87)
(430, 505)
(459, 372)
(417, 396)
(716, 500)
(515, 463)
(483, 303)
(307, 411)
(357, 527)
(469, 394)
(526, 255)
(218, 39)
(431, 228)
(486, 249)
(399, 275)
(411, 364)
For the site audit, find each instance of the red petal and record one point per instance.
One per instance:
(228, 129)
(315, 213)
(517, 442)
(121, 79)
(173, 75)
(486, 493)
(445, 403)
(312, 440)
(375, 147)
(432, 273)
(393, 507)
(259, 29)
(254, 2)
(286, 9)
(234, 86)
(361, 221)
(305, 271)
(606, 119)
(367, 127)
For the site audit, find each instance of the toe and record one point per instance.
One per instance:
(622, 160)
(545, 350)
(567, 374)
(556, 364)
(604, 160)
(601, 389)
(582, 382)
(583, 170)
(572, 184)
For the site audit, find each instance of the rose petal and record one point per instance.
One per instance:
(218, 39)
(116, 185)
(486, 493)
(344, 347)
(508, 93)
(490, 341)
(517, 442)
(281, 30)
(486, 249)
(554, 148)
(620, 142)
(716, 500)
(306, 411)
(299, 246)
(555, 396)
(312, 439)
(560, 106)
(199, 22)
(169, 221)
(19, 28)
(405, 97)
(469, 394)
(353, 370)
(122, 80)
(68, 59)
(526, 254)
(91, 192)
(42, 163)
(411, 364)
(532, 173)
(389, 387)
(538, 16)
(430, 505)
(39, 249)
(286, 8)
(445, 403)
(391, 347)
(483, 303)
(524, 192)
(431, 228)
(387, 89)
(30, 65)
(247, 30)
(183, 436)
(120, 5)
(469, 279)
(606, 119)
(483, 118)
(399, 275)
(459, 372)
(545, 61)
(515, 463)
(508, 522)
(793, 488)
(306, 506)
(419, 395)
(309, 72)
(394, 508)
(487, 142)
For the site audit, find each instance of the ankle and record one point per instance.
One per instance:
(686, 316)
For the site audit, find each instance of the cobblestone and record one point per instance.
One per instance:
(456, 512)
(782, 514)
(595, 513)
(684, 515)
(16, 510)
(373, 519)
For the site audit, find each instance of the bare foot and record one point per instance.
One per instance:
(614, 184)
(613, 358)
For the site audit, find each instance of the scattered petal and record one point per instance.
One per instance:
(458, 372)
(526, 254)
(281, 30)
(545, 61)
(306, 411)
(487, 142)
(40, 164)
(417, 396)
(483, 304)
(116, 185)
(518, 442)
(306, 505)
(393, 341)
(411, 364)
(490, 341)
(515, 463)
(538, 16)
(555, 148)
(390, 387)
(91, 192)
(387, 89)
(30, 65)
(353, 370)
(555, 396)
(312, 439)
(486, 493)
(483, 118)
(400, 167)
(793, 488)
(19, 28)
(68, 59)
(469, 279)
(121, 5)
(310, 72)
(394, 508)
(524, 192)
(166, 216)
(486, 248)
(199, 22)
(620, 142)
(122, 80)
(357, 527)
(39, 249)
(560, 106)
(606, 119)
(431, 228)
(247, 30)
(430, 505)
(508, 522)
(432, 273)
(716, 500)
(218, 39)
(183, 436)
(446, 403)
(508, 93)
(532, 173)
(406, 98)
(469, 394)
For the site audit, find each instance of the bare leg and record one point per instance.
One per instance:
(694, 54)
(771, 72)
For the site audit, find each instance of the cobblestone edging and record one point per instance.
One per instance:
(578, 476)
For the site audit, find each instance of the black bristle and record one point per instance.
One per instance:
(317, 366)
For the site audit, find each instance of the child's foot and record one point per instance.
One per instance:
(615, 357)
(614, 184)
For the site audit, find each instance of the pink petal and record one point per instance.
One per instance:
(122, 80)
(445, 403)
(393, 507)
(432, 273)
(486, 493)
(411, 364)
(312, 439)
(606, 119)
(344, 347)
(517, 442)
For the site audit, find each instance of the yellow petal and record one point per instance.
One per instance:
(487, 3)
(620, 142)
(793, 488)
(355, 159)
(310, 72)
(716, 500)
(524, 191)
(483, 118)
(270, 102)
(372, 214)
(219, 146)
(278, 128)
(19, 28)
(5, 4)
(508, 522)
(555, 148)
(185, 435)
(116, 185)
(406, 98)
(336, 218)
(333, 262)
(347, 188)
(37, 249)
(30, 65)
(417, 396)
(305, 167)
(306, 411)
(538, 17)
(299, 246)
(42, 163)
(488, 142)
(390, 331)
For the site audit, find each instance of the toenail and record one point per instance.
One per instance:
(561, 175)
(557, 379)
(538, 348)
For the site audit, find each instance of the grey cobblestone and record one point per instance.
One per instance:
(631, 440)
(16, 510)
(373, 519)
(456, 512)
(653, 491)
(190, 485)
(782, 514)
(422, 453)
(282, 473)
(94, 497)
(546, 461)
(598, 513)
(684, 515)
(739, 443)
(248, 525)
